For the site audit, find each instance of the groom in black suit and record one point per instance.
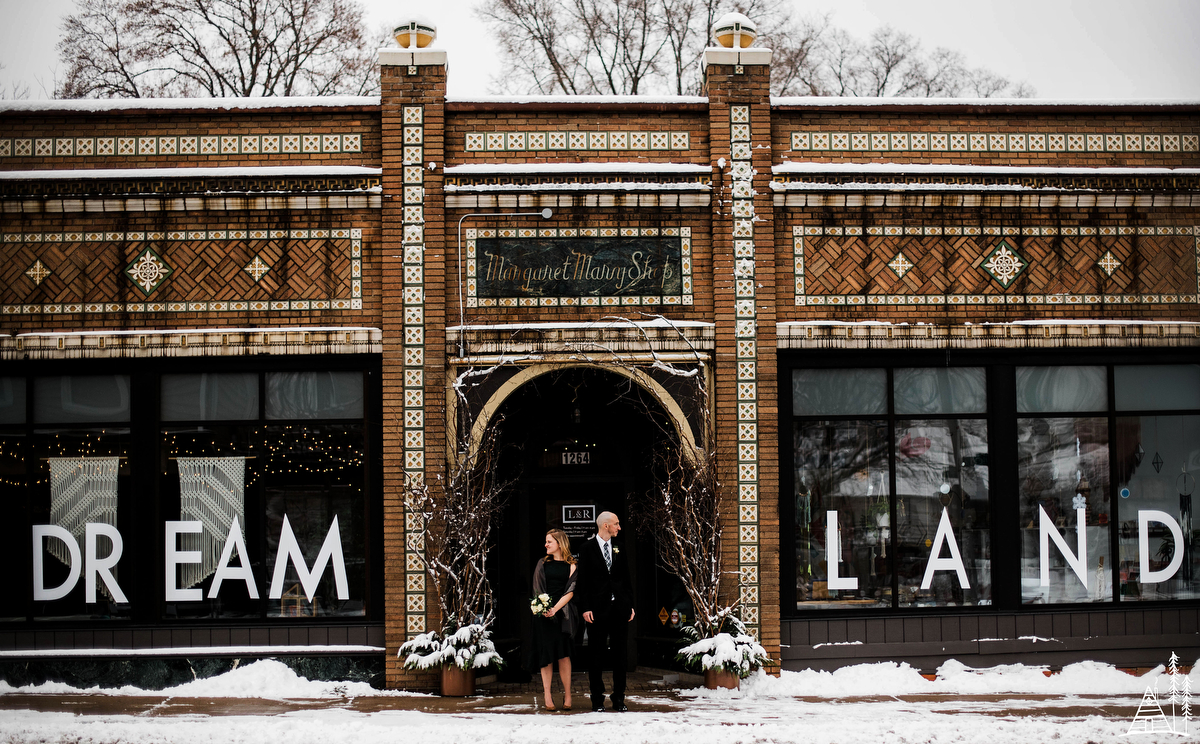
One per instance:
(606, 600)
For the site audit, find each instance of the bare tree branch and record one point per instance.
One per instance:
(139, 48)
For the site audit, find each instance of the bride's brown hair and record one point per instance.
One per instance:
(564, 544)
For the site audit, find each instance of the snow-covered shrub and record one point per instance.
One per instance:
(732, 650)
(470, 647)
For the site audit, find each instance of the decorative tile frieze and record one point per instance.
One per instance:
(83, 147)
(993, 142)
(150, 269)
(995, 255)
(551, 141)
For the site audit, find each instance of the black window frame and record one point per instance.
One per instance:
(143, 512)
(1002, 415)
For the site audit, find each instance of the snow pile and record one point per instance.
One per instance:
(954, 677)
(267, 678)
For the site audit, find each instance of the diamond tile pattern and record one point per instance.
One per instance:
(201, 270)
(954, 264)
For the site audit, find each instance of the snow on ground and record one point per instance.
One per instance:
(1087, 702)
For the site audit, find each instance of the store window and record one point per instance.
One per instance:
(891, 498)
(81, 498)
(1063, 477)
(280, 506)
(1157, 458)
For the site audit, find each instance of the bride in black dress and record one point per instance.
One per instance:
(554, 629)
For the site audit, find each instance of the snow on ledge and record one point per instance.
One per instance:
(481, 169)
(100, 105)
(608, 323)
(260, 171)
(966, 170)
(202, 331)
(610, 99)
(191, 651)
(610, 186)
(869, 102)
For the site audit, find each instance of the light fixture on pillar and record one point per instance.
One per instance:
(415, 34)
(735, 31)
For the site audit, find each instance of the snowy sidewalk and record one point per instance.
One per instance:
(266, 702)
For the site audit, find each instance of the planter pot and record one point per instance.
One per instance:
(457, 682)
(717, 679)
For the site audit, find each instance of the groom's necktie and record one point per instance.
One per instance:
(607, 557)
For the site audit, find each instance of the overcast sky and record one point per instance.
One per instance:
(1064, 48)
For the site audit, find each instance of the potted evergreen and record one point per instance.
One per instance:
(726, 654)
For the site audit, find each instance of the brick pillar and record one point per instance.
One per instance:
(413, 90)
(737, 83)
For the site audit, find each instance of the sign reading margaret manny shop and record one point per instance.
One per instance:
(579, 267)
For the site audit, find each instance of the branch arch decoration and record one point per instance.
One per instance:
(527, 374)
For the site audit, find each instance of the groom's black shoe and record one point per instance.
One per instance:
(598, 706)
(618, 706)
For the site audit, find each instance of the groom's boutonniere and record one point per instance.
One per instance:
(616, 550)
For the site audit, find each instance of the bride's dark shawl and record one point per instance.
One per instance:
(567, 615)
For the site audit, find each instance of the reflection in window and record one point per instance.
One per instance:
(940, 390)
(842, 466)
(1158, 461)
(839, 392)
(314, 395)
(210, 397)
(942, 466)
(1062, 468)
(1061, 389)
(12, 400)
(1157, 387)
(81, 398)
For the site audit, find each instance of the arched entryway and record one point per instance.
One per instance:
(578, 441)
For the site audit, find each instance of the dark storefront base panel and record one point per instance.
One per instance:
(1126, 638)
(189, 637)
(157, 673)
(145, 669)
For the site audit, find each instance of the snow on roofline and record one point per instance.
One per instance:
(261, 171)
(964, 170)
(609, 322)
(474, 169)
(611, 186)
(201, 331)
(100, 105)
(533, 99)
(867, 102)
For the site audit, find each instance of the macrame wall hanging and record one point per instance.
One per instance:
(212, 492)
(82, 490)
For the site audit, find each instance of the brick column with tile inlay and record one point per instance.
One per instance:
(414, 322)
(738, 87)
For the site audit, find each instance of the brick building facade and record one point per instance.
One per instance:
(933, 327)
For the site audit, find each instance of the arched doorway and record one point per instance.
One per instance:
(577, 441)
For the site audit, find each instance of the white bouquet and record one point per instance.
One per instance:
(540, 604)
